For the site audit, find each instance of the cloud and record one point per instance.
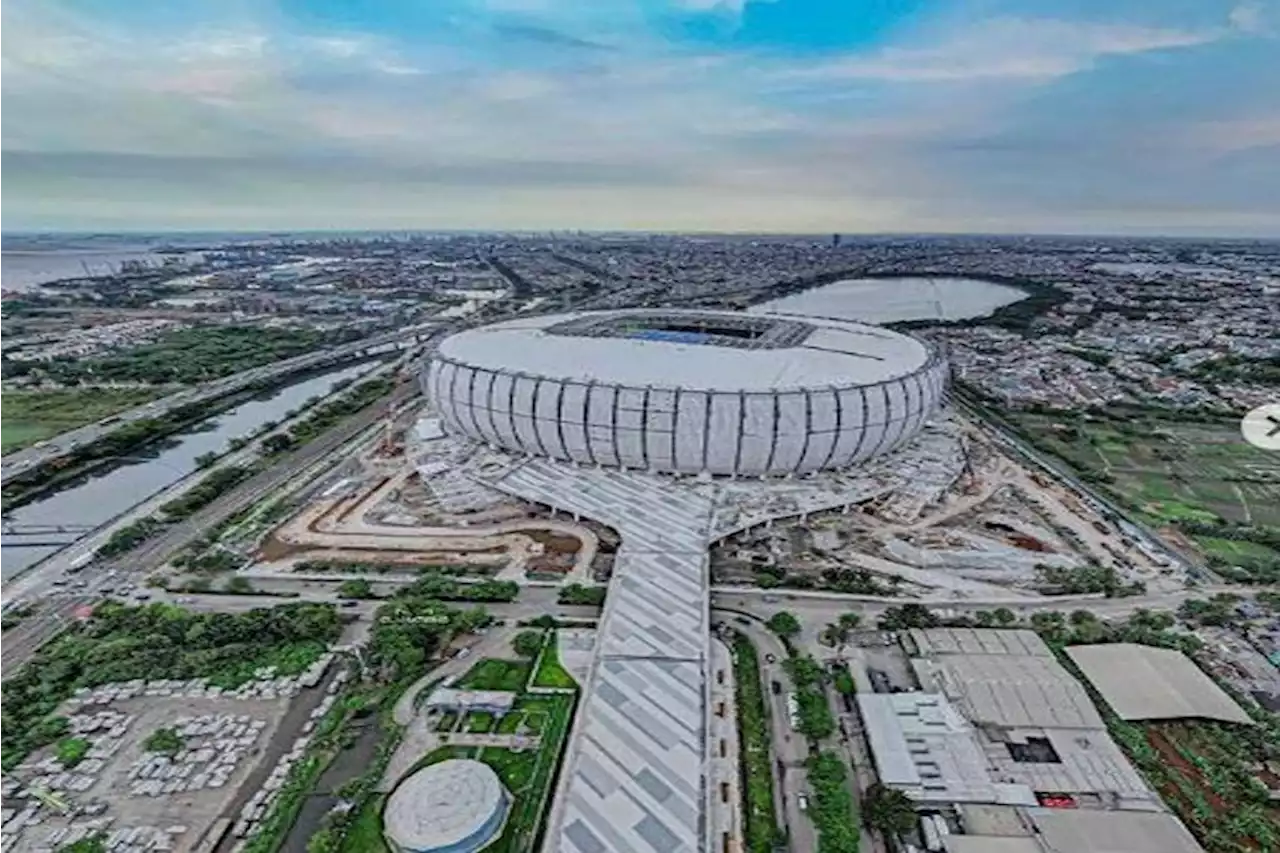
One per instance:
(545, 36)
(1010, 49)
(530, 114)
(1252, 16)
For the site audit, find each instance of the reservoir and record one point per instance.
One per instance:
(895, 300)
(102, 496)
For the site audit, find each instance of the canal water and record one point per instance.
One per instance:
(101, 496)
(895, 300)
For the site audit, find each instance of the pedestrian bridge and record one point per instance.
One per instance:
(15, 535)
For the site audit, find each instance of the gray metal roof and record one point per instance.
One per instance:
(634, 776)
(1091, 831)
(1148, 683)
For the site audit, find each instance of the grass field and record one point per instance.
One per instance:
(1237, 551)
(365, 834)
(496, 674)
(1169, 470)
(31, 416)
(550, 672)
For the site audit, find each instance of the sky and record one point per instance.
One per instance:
(992, 116)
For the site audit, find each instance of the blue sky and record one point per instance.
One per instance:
(1160, 116)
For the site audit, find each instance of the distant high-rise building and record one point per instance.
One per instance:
(835, 241)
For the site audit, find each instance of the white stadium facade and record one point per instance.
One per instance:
(687, 391)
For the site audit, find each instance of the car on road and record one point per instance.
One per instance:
(770, 658)
(803, 802)
(776, 688)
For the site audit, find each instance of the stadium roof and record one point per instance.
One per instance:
(830, 353)
(1148, 683)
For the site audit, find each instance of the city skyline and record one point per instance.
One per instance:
(786, 116)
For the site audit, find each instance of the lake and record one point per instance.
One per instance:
(894, 300)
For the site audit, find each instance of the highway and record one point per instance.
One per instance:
(21, 641)
(67, 442)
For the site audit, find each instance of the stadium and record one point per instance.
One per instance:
(687, 391)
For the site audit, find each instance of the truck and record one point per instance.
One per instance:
(80, 562)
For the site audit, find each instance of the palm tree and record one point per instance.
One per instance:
(888, 810)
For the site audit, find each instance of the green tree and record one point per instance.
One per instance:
(784, 624)
(240, 585)
(204, 460)
(527, 644)
(907, 616)
(888, 810)
(1005, 617)
(850, 620)
(72, 750)
(164, 740)
(96, 843)
(355, 588)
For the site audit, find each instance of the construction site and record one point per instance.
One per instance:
(972, 518)
(402, 502)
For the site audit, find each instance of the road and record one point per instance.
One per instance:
(790, 748)
(65, 443)
(21, 641)
(816, 609)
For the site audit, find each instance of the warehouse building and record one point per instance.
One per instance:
(1003, 751)
(1148, 683)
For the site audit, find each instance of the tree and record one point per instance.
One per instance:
(239, 585)
(164, 740)
(204, 460)
(907, 616)
(888, 810)
(784, 624)
(355, 588)
(96, 843)
(527, 644)
(278, 443)
(851, 620)
(1005, 617)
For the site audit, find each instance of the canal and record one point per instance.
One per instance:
(109, 491)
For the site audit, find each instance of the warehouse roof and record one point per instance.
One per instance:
(991, 844)
(1006, 678)
(1089, 831)
(1148, 683)
(1035, 723)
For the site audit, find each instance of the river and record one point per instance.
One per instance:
(27, 270)
(894, 300)
(102, 496)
